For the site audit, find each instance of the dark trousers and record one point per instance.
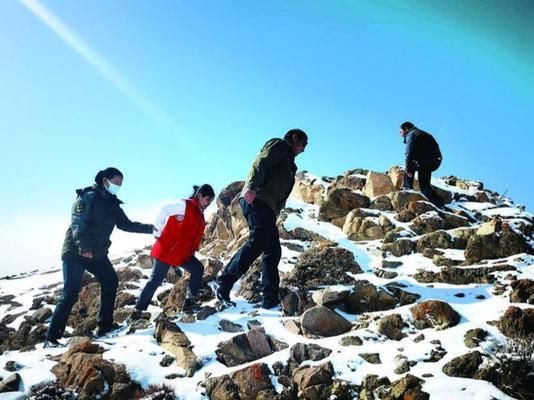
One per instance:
(159, 272)
(73, 270)
(263, 239)
(424, 173)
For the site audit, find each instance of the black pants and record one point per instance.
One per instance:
(159, 272)
(424, 172)
(263, 239)
(73, 270)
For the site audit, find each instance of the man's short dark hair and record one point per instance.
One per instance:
(406, 126)
(301, 136)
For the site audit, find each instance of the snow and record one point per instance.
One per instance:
(141, 354)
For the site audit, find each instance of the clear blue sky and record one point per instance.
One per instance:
(181, 92)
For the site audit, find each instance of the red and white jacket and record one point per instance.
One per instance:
(180, 228)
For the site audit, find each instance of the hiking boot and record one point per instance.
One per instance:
(223, 294)
(104, 330)
(135, 315)
(270, 303)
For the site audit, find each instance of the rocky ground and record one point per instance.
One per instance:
(384, 297)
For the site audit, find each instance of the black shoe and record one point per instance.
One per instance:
(190, 304)
(104, 330)
(270, 303)
(223, 295)
(135, 315)
(52, 343)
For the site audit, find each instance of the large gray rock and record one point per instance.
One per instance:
(322, 321)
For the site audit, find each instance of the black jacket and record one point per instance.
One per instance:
(421, 150)
(94, 215)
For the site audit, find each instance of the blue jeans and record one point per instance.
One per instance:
(73, 270)
(263, 239)
(159, 272)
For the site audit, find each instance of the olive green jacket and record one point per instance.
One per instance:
(272, 175)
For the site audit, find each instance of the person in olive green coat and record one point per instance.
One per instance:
(264, 195)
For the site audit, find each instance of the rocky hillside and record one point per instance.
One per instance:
(384, 297)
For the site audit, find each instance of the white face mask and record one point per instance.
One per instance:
(112, 188)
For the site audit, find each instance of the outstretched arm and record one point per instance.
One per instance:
(124, 224)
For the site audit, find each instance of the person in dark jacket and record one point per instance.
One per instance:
(422, 155)
(178, 230)
(266, 190)
(95, 213)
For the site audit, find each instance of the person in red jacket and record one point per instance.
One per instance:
(179, 230)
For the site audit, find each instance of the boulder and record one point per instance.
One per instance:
(229, 326)
(328, 296)
(247, 347)
(309, 270)
(434, 313)
(252, 380)
(408, 387)
(522, 291)
(323, 322)
(339, 202)
(171, 338)
(401, 199)
(127, 274)
(396, 174)
(307, 189)
(378, 184)
(352, 181)
(517, 322)
(300, 352)
(494, 240)
(427, 222)
(83, 369)
(295, 302)
(144, 261)
(382, 203)
(400, 247)
(391, 326)
(350, 341)
(439, 239)
(306, 377)
(229, 193)
(366, 297)
(464, 366)
(473, 337)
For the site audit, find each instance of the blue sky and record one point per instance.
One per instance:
(175, 93)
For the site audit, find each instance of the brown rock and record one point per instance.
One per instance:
(378, 184)
(517, 322)
(339, 202)
(252, 380)
(435, 313)
(401, 199)
(322, 321)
